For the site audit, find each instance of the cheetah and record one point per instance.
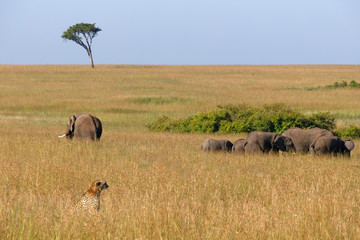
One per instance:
(90, 202)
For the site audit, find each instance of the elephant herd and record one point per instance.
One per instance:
(297, 140)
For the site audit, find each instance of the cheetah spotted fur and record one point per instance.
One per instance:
(90, 202)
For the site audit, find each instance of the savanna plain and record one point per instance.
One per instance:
(162, 186)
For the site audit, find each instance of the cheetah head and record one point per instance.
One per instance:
(97, 186)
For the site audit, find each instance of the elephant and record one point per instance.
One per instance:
(238, 146)
(257, 142)
(216, 145)
(303, 138)
(83, 126)
(332, 145)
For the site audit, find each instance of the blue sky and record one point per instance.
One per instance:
(191, 32)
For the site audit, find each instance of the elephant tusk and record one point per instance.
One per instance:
(62, 136)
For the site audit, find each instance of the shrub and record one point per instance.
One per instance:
(321, 120)
(342, 84)
(208, 122)
(245, 119)
(354, 84)
(161, 124)
(346, 132)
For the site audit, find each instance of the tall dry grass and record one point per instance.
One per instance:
(161, 184)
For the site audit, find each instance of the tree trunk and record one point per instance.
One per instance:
(91, 58)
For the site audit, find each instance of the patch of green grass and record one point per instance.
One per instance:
(346, 115)
(124, 111)
(157, 100)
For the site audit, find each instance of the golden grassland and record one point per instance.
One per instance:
(162, 186)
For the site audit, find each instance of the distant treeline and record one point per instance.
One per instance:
(245, 119)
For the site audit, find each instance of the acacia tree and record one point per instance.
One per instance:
(82, 34)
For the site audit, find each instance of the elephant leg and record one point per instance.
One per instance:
(253, 148)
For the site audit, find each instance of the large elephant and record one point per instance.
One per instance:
(257, 142)
(331, 145)
(303, 138)
(216, 145)
(83, 126)
(238, 146)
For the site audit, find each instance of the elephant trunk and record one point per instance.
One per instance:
(293, 149)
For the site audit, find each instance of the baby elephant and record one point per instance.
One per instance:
(332, 145)
(265, 142)
(238, 146)
(216, 145)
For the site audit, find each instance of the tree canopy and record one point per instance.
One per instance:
(82, 34)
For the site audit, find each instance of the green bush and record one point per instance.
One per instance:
(322, 120)
(245, 119)
(342, 84)
(348, 132)
(354, 84)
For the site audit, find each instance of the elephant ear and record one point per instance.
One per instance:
(72, 123)
(278, 142)
(289, 144)
(349, 144)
